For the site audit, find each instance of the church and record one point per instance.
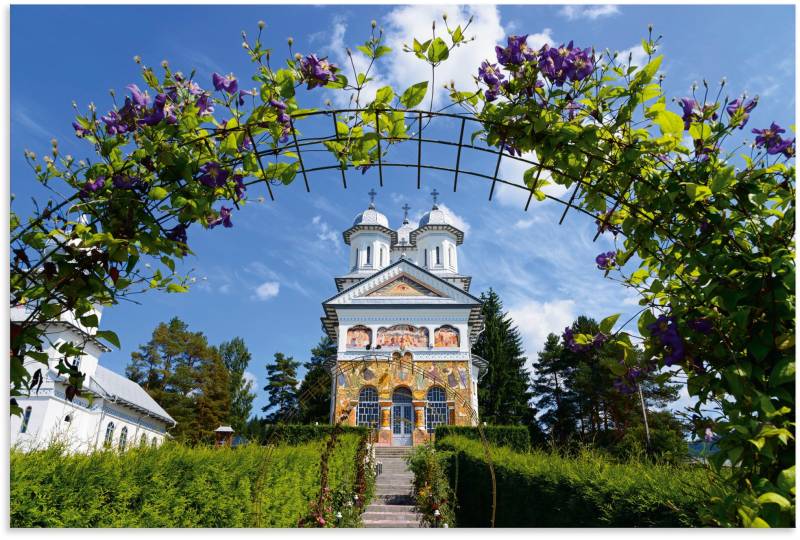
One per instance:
(404, 323)
(111, 412)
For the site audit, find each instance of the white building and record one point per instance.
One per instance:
(404, 323)
(112, 411)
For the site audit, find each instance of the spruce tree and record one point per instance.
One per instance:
(213, 400)
(503, 394)
(236, 358)
(552, 393)
(282, 389)
(315, 390)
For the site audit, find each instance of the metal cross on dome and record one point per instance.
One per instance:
(405, 208)
(435, 195)
(372, 194)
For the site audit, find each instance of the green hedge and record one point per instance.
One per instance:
(175, 486)
(300, 433)
(539, 489)
(515, 437)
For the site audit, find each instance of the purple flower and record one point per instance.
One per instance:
(516, 52)
(178, 234)
(665, 331)
(317, 72)
(213, 175)
(92, 186)
(80, 131)
(741, 105)
(771, 139)
(240, 187)
(224, 219)
(140, 99)
(205, 104)
(194, 88)
(703, 325)
(490, 74)
(115, 125)
(490, 94)
(243, 93)
(606, 261)
(582, 65)
(690, 107)
(709, 435)
(162, 110)
(227, 83)
(280, 105)
(123, 181)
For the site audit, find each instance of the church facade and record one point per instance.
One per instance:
(404, 323)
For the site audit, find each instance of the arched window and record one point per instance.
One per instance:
(425, 258)
(438, 259)
(436, 409)
(358, 262)
(109, 435)
(143, 440)
(154, 442)
(25, 419)
(367, 412)
(369, 255)
(123, 438)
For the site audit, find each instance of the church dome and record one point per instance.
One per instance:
(404, 232)
(436, 216)
(370, 216)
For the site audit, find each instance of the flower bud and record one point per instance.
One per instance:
(444, 16)
(245, 45)
(261, 25)
(137, 59)
(298, 56)
(373, 23)
(74, 104)
(164, 64)
(328, 103)
(650, 27)
(290, 41)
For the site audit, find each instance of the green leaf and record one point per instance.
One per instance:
(608, 323)
(774, 498)
(414, 94)
(364, 49)
(669, 123)
(175, 288)
(109, 336)
(786, 480)
(782, 373)
(383, 49)
(90, 320)
(158, 193)
(638, 276)
(697, 192)
(438, 51)
(645, 319)
(384, 95)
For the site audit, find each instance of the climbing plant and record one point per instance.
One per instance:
(703, 220)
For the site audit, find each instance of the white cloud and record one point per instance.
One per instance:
(637, 56)
(459, 222)
(537, 319)
(267, 290)
(252, 379)
(408, 22)
(24, 118)
(326, 234)
(573, 12)
(513, 170)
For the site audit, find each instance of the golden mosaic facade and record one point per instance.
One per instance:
(403, 372)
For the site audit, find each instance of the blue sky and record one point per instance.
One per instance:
(264, 279)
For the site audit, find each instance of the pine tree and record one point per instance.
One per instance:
(213, 400)
(503, 394)
(315, 390)
(236, 358)
(281, 388)
(552, 393)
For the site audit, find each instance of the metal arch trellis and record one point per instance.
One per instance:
(351, 365)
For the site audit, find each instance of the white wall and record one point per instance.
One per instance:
(377, 242)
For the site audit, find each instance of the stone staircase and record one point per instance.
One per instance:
(392, 505)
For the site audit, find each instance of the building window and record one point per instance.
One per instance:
(25, 419)
(154, 442)
(367, 411)
(143, 440)
(436, 409)
(369, 255)
(123, 438)
(425, 258)
(68, 418)
(109, 435)
(438, 259)
(358, 262)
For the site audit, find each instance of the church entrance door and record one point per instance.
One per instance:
(402, 417)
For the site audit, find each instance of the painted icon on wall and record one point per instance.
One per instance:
(402, 336)
(359, 337)
(445, 336)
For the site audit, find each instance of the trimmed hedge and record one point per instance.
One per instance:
(301, 433)
(175, 486)
(539, 489)
(514, 437)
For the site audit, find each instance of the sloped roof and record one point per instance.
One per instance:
(113, 385)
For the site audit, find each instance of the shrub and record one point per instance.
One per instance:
(515, 437)
(432, 490)
(175, 486)
(299, 433)
(539, 489)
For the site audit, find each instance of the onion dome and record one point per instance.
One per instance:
(437, 219)
(370, 220)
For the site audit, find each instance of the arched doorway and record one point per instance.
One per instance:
(402, 417)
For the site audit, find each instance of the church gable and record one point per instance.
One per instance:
(403, 286)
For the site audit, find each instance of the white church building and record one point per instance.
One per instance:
(111, 412)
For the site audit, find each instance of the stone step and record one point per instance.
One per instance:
(390, 508)
(391, 524)
(389, 516)
(391, 500)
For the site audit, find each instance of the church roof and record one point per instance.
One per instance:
(437, 219)
(114, 386)
(370, 220)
